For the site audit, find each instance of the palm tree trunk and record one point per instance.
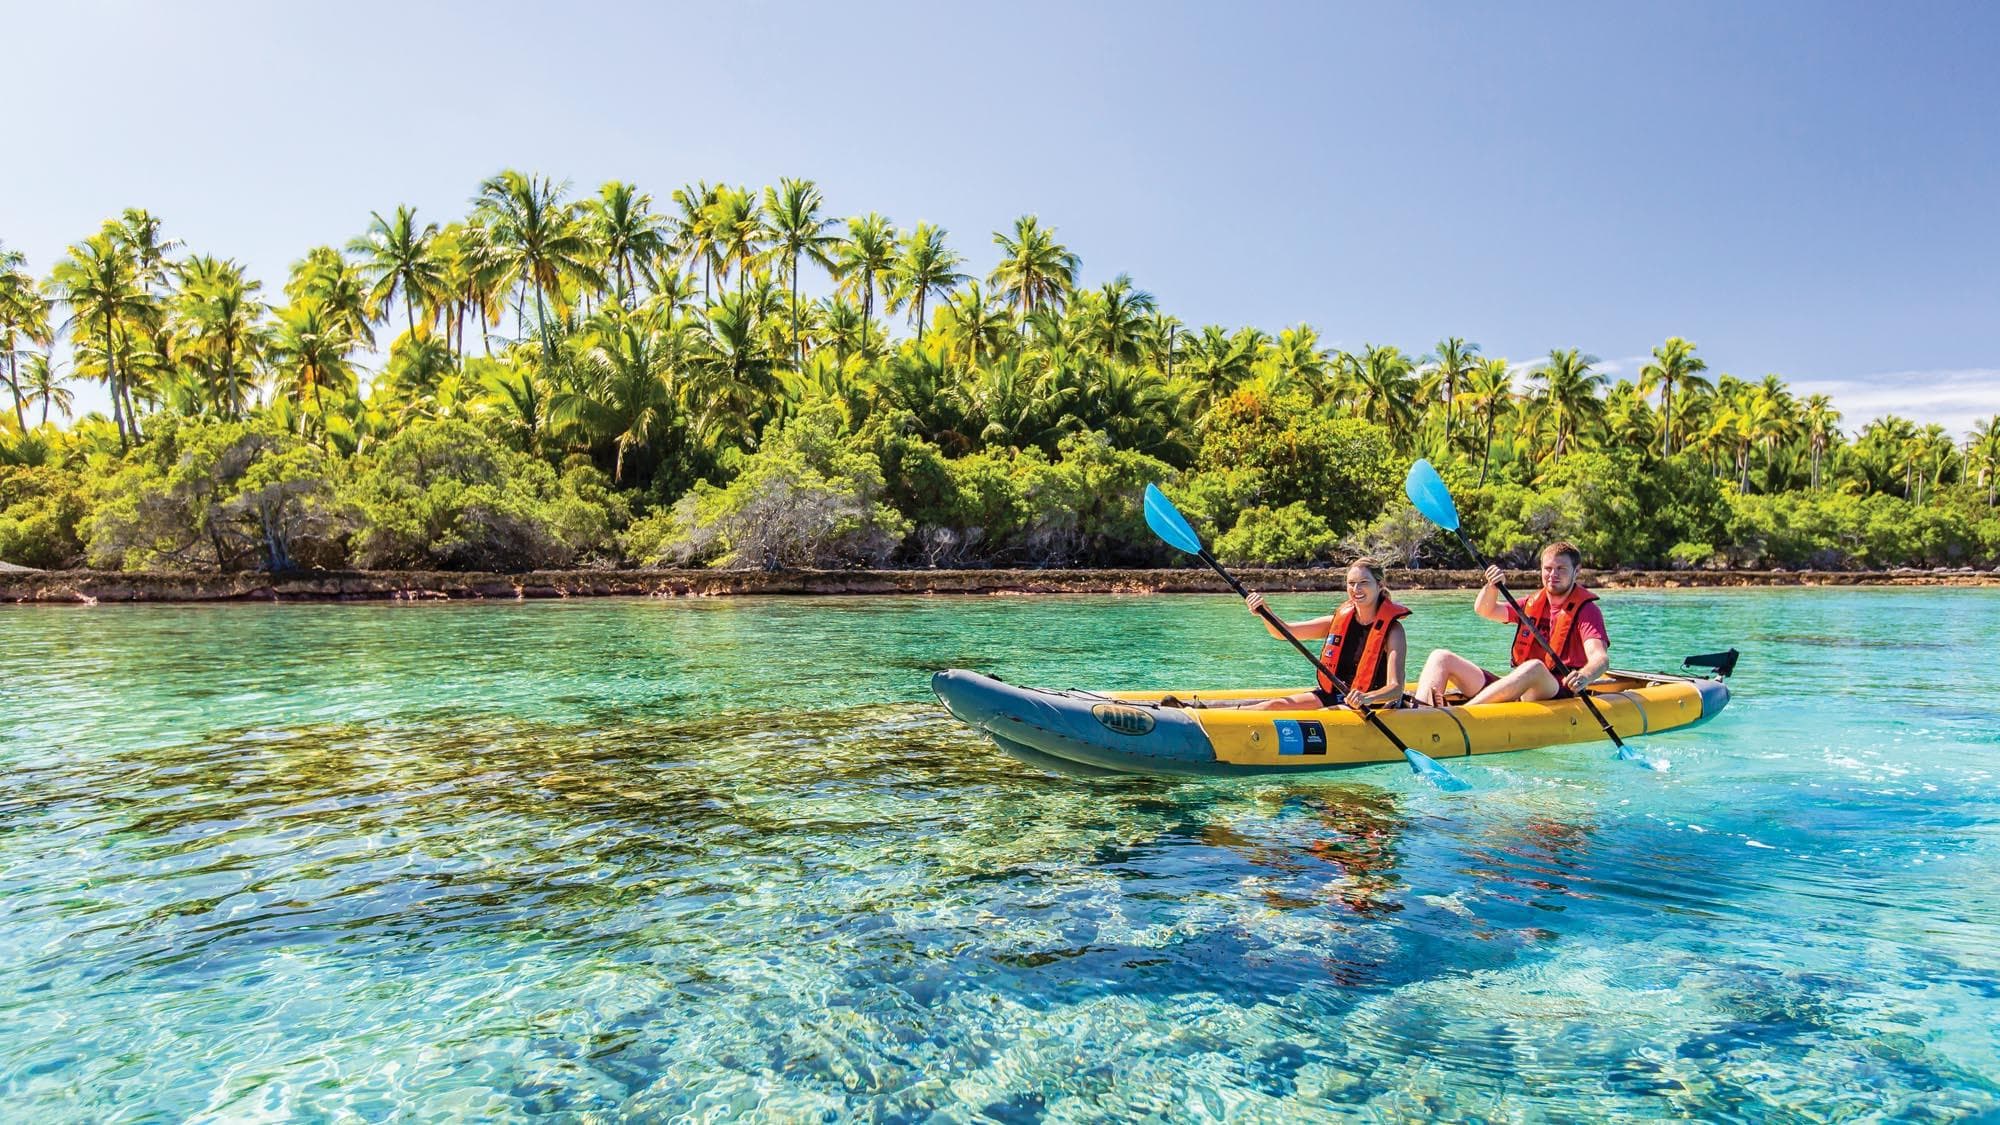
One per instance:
(541, 319)
(867, 305)
(1667, 426)
(14, 382)
(111, 370)
(1486, 458)
(797, 344)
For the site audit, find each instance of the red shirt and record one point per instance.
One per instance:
(1589, 624)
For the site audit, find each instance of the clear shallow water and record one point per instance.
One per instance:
(632, 859)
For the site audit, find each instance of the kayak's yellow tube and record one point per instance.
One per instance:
(1633, 706)
(1131, 732)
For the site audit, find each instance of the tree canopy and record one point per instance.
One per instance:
(733, 376)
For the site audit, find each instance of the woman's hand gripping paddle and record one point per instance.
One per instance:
(1428, 492)
(1167, 522)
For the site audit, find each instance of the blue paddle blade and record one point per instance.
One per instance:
(1436, 774)
(1427, 491)
(1167, 522)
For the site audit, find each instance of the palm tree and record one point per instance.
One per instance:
(695, 236)
(621, 221)
(324, 275)
(419, 365)
(1385, 389)
(1674, 366)
(474, 278)
(1821, 422)
(1983, 450)
(537, 239)
(1114, 318)
(515, 395)
(1449, 365)
(730, 385)
(45, 385)
(24, 313)
(1161, 341)
(400, 259)
(1628, 417)
(1932, 448)
(219, 325)
(1568, 392)
(737, 223)
(627, 392)
(139, 231)
(1890, 442)
(925, 268)
(1218, 361)
(1489, 388)
(1771, 415)
(791, 219)
(975, 328)
(1034, 269)
(100, 283)
(310, 351)
(863, 262)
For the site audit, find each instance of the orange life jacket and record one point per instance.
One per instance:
(1368, 671)
(1557, 631)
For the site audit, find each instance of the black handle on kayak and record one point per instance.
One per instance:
(1562, 669)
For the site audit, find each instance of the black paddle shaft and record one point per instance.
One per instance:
(1340, 685)
(1562, 669)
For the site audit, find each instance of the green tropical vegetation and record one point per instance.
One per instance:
(733, 377)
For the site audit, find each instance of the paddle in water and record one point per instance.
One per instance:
(1428, 492)
(1168, 523)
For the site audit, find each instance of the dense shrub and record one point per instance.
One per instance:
(1342, 469)
(445, 495)
(1292, 535)
(42, 509)
(810, 497)
(221, 496)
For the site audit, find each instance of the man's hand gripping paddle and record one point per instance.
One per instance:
(1428, 492)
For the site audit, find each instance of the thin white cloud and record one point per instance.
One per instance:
(1953, 397)
(1624, 367)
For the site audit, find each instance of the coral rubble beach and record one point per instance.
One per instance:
(90, 587)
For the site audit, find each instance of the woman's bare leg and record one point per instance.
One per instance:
(1446, 671)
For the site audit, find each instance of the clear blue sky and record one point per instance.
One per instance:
(1801, 188)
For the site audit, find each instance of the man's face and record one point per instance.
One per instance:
(1558, 575)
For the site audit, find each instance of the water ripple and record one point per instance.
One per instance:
(614, 860)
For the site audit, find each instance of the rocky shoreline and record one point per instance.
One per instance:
(95, 587)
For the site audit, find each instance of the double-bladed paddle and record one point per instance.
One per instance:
(1168, 523)
(1428, 492)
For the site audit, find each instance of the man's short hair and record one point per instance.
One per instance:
(1566, 549)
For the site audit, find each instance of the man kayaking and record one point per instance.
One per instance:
(1365, 645)
(1563, 612)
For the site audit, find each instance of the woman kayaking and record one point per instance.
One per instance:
(1364, 646)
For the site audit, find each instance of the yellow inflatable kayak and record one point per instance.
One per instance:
(1130, 732)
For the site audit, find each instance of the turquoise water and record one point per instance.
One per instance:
(644, 860)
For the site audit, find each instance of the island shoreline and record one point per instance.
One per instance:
(101, 587)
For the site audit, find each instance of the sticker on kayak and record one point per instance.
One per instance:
(1124, 720)
(1300, 736)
